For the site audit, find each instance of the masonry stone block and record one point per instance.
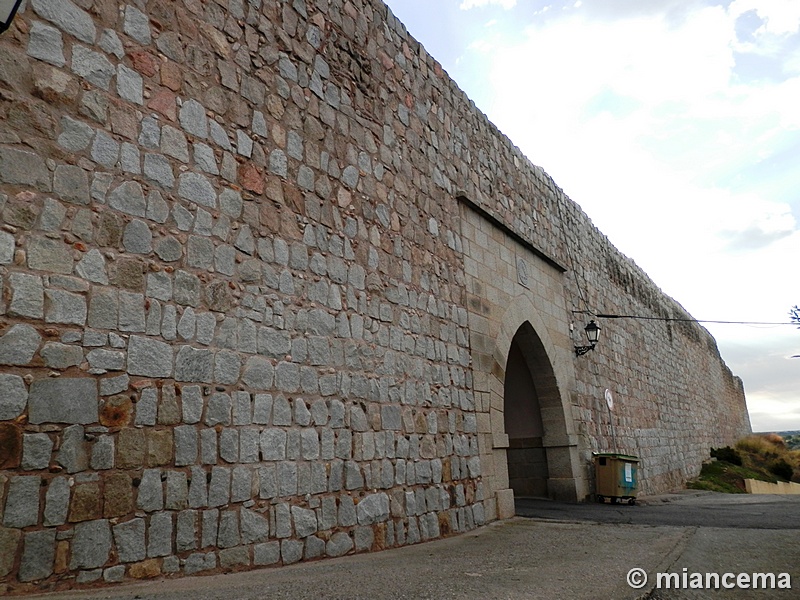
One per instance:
(131, 312)
(37, 449)
(65, 307)
(68, 17)
(177, 490)
(27, 296)
(339, 544)
(228, 534)
(110, 42)
(71, 183)
(149, 357)
(9, 544)
(19, 167)
(186, 444)
(267, 553)
(198, 488)
(219, 488)
(91, 545)
(150, 496)
(38, 555)
(13, 395)
(198, 189)
(159, 535)
(137, 238)
(198, 562)
(103, 308)
(186, 531)
(92, 266)
(157, 168)
(129, 84)
(160, 447)
(130, 157)
(137, 25)
(218, 411)
(22, 502)
(105, 150)
(210, 527)
(373, 508)
(191, 404)
(229, 445)
(92, 66)
(114, 574)
(258, 373)
(193, 119)
(63, 400)
(117, 494)
(56, 502)
(187, 289)
(47, 44)
(305, 521)
(85, 503)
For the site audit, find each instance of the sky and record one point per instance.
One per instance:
(675, 125)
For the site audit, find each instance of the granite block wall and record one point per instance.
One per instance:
(236, 320)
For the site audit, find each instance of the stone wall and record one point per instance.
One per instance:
(260, 267)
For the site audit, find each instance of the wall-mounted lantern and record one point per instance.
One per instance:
(8, 8)
(593, 335)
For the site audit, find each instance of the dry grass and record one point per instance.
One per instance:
(768, 450)
(764, 457)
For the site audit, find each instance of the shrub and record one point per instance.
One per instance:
(781, 468)
(727, 454)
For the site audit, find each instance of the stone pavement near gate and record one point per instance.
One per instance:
(555, 556)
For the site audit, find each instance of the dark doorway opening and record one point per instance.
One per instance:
(527, 456)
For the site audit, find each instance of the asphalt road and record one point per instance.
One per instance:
(691, 509)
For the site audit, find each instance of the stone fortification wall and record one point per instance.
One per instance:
(235, 319)
(674, 396)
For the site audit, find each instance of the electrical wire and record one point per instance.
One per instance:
(680, 319)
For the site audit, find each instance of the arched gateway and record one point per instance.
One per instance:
(527, 365)
(535, 446)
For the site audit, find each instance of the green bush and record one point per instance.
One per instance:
(781, 468)
(728, 455)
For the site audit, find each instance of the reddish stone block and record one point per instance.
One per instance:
(163, 101)
(144, 62)
(10, 446)
(251, 179)
(124, 121)
(171, 76)
(116, 412)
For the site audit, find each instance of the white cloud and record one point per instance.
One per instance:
(781, 17)
(643, 123)
(470, 4)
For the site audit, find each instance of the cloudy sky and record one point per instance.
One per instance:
(675, 124)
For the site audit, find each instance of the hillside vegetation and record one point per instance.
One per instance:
(764, 457)
(792, 440)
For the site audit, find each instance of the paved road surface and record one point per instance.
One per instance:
(690, 509)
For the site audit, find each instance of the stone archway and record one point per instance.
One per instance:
(526, 346)
(522, 415)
